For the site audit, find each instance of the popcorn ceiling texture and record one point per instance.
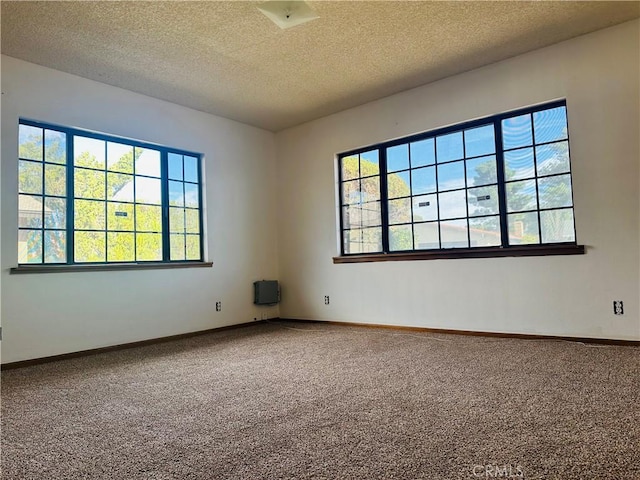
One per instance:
(228, 59)
(315, 401)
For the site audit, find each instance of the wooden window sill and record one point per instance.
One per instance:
(103, 267)
(484, 252)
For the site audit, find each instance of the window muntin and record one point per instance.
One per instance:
(496, 182)
(104, 199)
(42, 195)
(538, 177)
(361, 204)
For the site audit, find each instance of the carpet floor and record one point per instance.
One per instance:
(294, 400)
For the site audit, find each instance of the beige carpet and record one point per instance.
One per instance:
(300, 400)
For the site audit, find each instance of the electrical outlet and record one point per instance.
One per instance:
(326, 299)
(618, 307)
(218, 306)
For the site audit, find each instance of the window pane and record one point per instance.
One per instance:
(485, 231)
(89, 215)
(148, 247)
(516, 132)
(426, 236)
(192, 220)
(479, 141)
(367, 240)
(555, 191)
(425, 207)
(89, 247)
(523, 228)
(364, 215)
(518, 164)
(30, 246)
(552, 158)
(29, 211)
(177, 247)
(398, 185)
(191, 195)
(89, 152)
(55, 180)
(147, 162)
(397, 158)
(350, 192)
(453, 204)
(119, 157)
(55, 247)
(190, 169)
(55, 212)
(483, 201)
(369, 163)
(120, 216)
(454, 234)
(521, 196)
(55, 147)
(148, 190)
(193, 247)
(175, 166)
(449, 147)
(451, 176)
(120, 187)
(423, 153)
(400, 211)
(29, 177)
(350, 167)
(550, 125)
(120, 247)
(557, 226)
(481, 171)
(423, 180)
(400, 238)
(148, 218)
(370, 189)
(351, 217)
(371, 215)
(372, 239)
(89, 183)
(176, 194)
(30, 142)
(176, 220)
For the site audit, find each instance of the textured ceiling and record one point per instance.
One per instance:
(228, 59)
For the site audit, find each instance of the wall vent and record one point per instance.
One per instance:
(266, 292)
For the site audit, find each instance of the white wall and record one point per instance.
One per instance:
(54, 313)
(598, 74)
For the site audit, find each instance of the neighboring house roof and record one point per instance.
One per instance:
(31, 204)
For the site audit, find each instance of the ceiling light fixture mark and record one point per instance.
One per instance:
(287, 14)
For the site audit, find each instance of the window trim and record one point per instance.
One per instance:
(105, 267)
(70, 264)
(504, 250)
(535, 250)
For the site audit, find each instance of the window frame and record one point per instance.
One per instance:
(504, 249)
(70, 228)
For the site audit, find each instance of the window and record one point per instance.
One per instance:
(497, 183)
(87, 198)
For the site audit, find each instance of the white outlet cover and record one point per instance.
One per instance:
(287, 14)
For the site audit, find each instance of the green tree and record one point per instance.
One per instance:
(94, 185)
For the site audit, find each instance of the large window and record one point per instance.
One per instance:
(89, 198)
(499, 182)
